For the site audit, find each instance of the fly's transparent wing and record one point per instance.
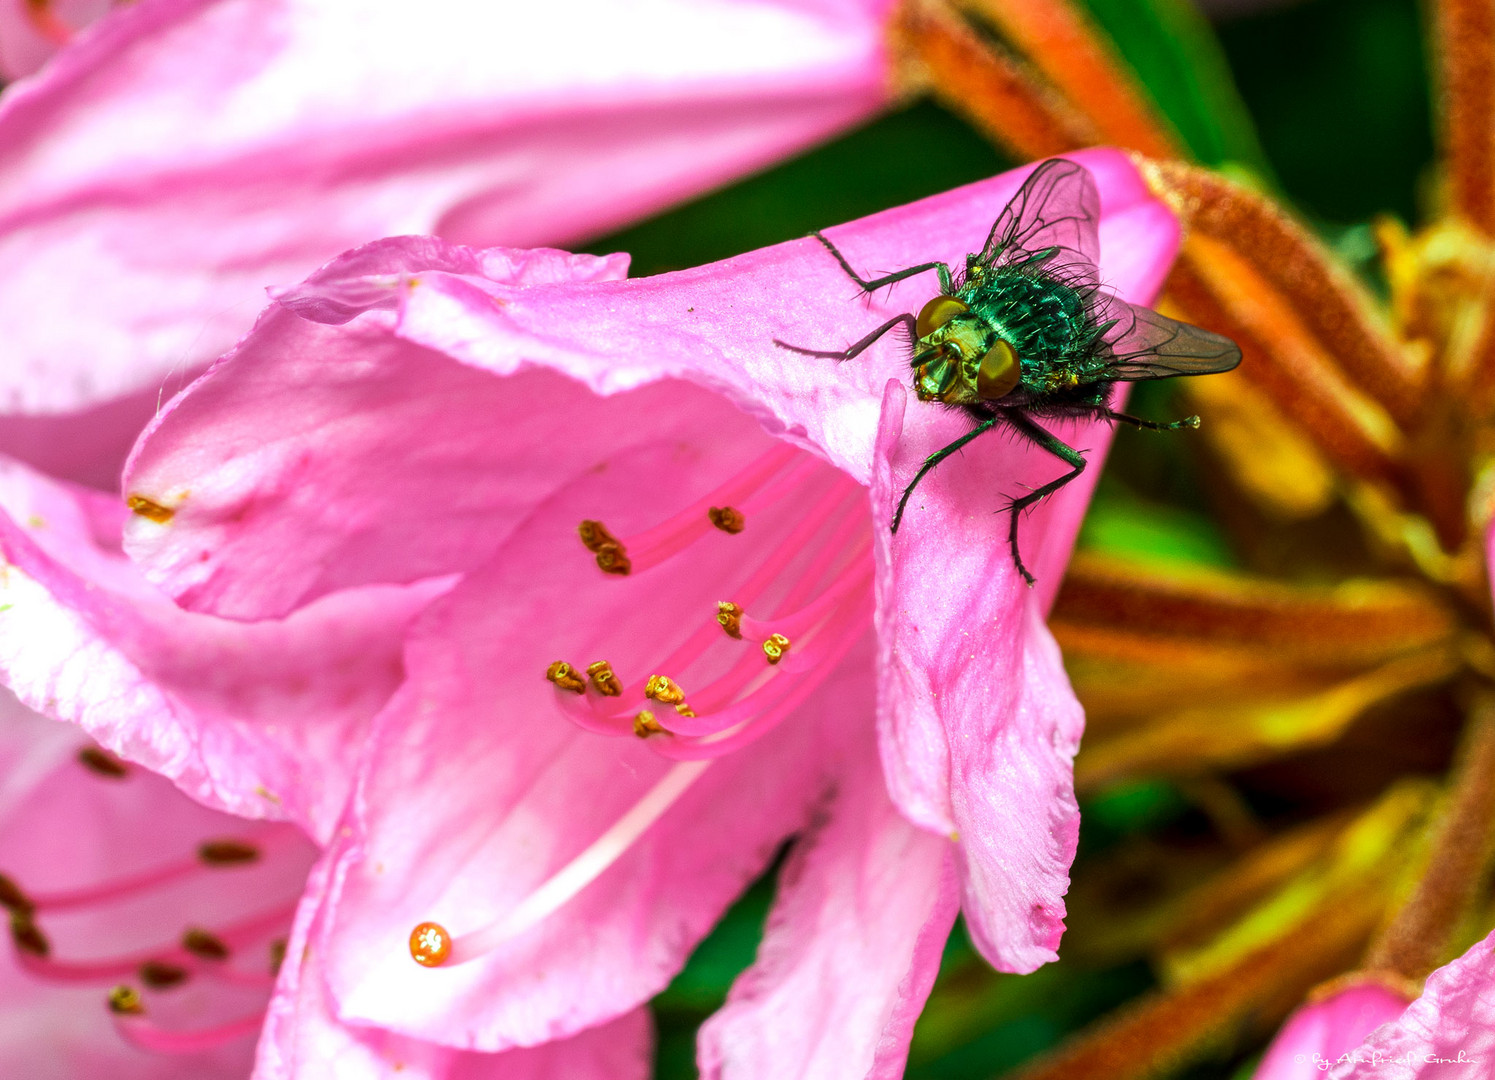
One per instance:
(1146, 345)
(1058, 206)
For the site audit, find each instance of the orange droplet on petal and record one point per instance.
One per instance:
(430, 944)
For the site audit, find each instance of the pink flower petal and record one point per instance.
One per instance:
(304, 1040)
(851, 949)
(1447, 1033)
(1318, 1033)
(254, 719)
(185, 154)
(479, 788)
(978, 722)
(30, 32)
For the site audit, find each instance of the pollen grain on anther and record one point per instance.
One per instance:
(612, 558)
(13, 897)
(664, 689)
(27, 936)
(125, 1001)
(205, 945)
(566, 677)
(150, 509)
(775, 648)
(430, 944)
(101, 762)
(228, 853)
(727, 519)
(277, 955)
(603, 679)
(729, 616)
(159, 975)
(645, 725)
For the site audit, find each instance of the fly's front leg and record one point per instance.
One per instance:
(1061, 450)
(947, 283)
(861, 346)
(938, 456)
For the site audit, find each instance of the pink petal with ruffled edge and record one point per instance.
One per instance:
(714, 325)
(304, 1040)
(1318, 1033)
(1448, 1033)
(184, 154)
(851, 949)
(258, 720)
(63, 827)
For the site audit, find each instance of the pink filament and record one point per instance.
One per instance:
(144, 1034)
(125, 887)
(236, 936)
(755, 727)
(656, 544)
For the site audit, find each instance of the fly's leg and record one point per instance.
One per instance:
(1148, 425)
(938, 456)
(947, 283)
(1044, 441)
(861, 346)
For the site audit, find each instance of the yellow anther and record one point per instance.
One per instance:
(684, 709)
(614, 560)
(727, 519)
(595, 536)
(430, 944)
(604, 680)
(775, 647)
(158, 975)
(664, 689)
(27, 936)
(565, 677)
(97, 759)
(12, 896)
(204, 945)
(608, 548)
(277, 955)
(150, 509)
(125, 1001)
(227, 852)
(729, 615)
(645, 725)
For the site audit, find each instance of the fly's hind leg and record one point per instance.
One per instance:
(947, 283)
(1148, 425)
(861, 346)
(1061, 450)
(938, 456)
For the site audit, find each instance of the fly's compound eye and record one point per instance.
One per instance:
(937, 313)
(999, 371)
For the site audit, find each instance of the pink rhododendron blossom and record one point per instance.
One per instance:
(418, 410)
(112, 877)
(1318, 1033)
(182, 155)
(1448, 1032)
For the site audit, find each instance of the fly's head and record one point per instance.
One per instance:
(959, 357)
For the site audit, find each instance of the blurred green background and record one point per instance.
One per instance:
(1325, 101)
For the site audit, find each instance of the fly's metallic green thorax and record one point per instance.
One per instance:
(1024, 313)
(1027, 331)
